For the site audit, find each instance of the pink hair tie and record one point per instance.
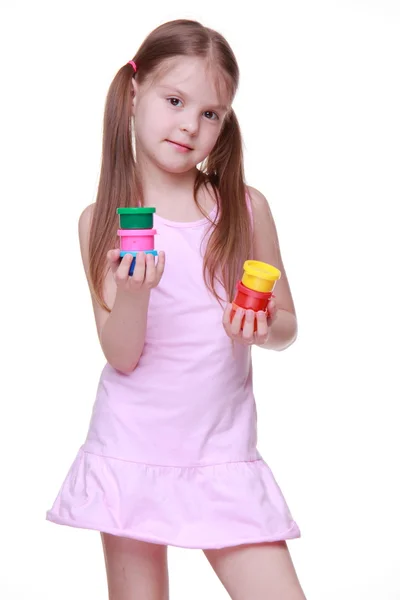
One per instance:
(131, 62)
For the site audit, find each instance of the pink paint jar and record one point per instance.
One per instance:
(136, 239)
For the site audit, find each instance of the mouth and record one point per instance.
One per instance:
(180, 145)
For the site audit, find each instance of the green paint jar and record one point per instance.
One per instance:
(136, 218)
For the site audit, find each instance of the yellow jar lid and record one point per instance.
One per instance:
(262, 270)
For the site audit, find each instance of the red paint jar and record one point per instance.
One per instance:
(249, 300)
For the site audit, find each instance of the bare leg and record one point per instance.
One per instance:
(135, 570)
(257, 572)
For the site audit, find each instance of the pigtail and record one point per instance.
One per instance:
(230, 242)
(118, 184)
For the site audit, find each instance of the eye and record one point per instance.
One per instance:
(173, 101)
(209, 115)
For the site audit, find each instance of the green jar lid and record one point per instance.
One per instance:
(135, 211)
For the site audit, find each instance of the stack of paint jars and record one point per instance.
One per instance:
(255, 289)
(136, 232)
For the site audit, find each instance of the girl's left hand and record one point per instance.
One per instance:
(247, 335)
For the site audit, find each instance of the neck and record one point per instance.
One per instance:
(157, 184)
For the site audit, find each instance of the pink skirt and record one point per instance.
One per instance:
(203, 507)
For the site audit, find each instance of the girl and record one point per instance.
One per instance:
(170, 457)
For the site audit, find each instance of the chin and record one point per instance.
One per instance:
(176, 168)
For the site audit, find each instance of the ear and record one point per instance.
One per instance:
(134, 95)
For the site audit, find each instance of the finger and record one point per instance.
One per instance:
(236, 324)
(226, 318)
(271, 309)
(140, 269)
(113, 257)
(248, 329)
(160, 265)
(150, 276)
(122, 270)
(262, 327)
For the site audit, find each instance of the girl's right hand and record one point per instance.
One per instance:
(146, 275)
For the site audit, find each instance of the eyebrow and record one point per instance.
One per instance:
(179, 92)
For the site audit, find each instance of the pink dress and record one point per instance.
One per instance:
(171, 452)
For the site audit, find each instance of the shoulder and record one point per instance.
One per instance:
(85, 219)
(264, 227)
(84, 225)
(259, 206)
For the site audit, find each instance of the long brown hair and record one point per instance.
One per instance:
(229, 243)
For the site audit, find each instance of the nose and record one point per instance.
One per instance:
(191, 127)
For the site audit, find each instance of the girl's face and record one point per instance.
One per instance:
(178, 116)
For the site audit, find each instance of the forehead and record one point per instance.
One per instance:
(197, 77)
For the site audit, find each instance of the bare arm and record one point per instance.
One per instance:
(283, 331)
(121, 332)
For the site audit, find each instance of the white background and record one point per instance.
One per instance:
(319, 108)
